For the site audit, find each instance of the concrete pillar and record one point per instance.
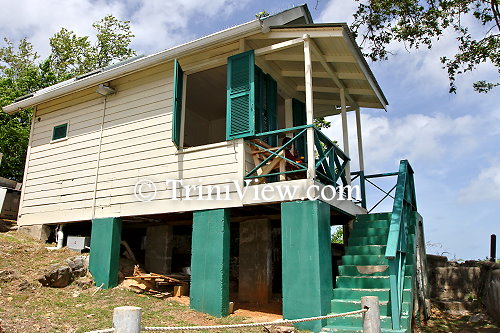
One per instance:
(255, 266)
(307, 261)
(127, 319)
(39, 232)
(159, 243)
(210, 262)
(105, 251)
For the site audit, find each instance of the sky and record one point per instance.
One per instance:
(451, 140)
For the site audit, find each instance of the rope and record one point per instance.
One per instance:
(214, 327)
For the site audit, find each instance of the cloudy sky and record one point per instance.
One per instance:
(452, 141)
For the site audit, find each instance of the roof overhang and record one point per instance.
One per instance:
(296, 14)
(337, 65)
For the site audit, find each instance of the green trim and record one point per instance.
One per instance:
(60, 132)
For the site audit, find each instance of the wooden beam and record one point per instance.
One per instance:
(345, 133)
(329, 70)
(311, 167)
(360, 141)
(325, 75)
(298, 33)
(300, 58)
(352, 91)
(279, 46)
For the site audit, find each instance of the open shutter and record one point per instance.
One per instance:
(177, 107)
(299, 119)
(240, 96)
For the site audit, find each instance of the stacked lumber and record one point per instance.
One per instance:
(153, 283)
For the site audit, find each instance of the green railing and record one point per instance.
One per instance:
(330, 161)
(402, 212)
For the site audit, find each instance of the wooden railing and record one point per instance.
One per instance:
(272, 161)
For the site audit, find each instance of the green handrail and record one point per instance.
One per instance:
(404, 205)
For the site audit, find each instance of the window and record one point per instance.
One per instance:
(60, 132)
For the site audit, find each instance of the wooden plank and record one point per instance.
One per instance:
(278, 46)
(324, 75)
(300, 57)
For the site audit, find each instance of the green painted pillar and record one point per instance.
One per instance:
(209, 291)
(105, 251)
(307, 261)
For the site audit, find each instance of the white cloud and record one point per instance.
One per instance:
(157, 24)
(338, 11)
(484, 187)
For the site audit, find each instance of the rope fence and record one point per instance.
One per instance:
(127, 319)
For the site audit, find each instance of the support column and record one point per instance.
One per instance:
(255, 268)
(307, 261)
(345, 134)
(159, 243)
(308, 73)
(210, 262)
(105, 251)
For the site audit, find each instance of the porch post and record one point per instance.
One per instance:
(210, 262)
(361, 159)
(345, 134)
(288, 115)
(311, 170)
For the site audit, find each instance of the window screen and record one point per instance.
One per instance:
(60, 131)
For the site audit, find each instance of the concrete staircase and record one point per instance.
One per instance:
(365, 272)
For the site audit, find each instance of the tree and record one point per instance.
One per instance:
(337, 236)
(22, 73)
(73, 55)
(419, 23)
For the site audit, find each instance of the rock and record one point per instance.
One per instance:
(24, 285)
(57, 276)
(84, 283)
(7, 276)
(477, 318)
(78, 266)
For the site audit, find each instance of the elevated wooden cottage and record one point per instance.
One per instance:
(186, 154)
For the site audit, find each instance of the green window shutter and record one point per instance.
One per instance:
(299, 119)
(177, 105)
(60, 131)
(240, 96)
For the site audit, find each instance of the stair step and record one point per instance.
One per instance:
(373, 240)
(341, 306)
(369, 270)
(349, 329)
(361, 259)
(355, 294)
(365, 232)
(373, 217)
(367, 282)
(366, 249)
(356, 321)
(372, 224)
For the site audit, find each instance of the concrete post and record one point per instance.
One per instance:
(127, 319)
(371, 318)
(159, 244)
(210, 262)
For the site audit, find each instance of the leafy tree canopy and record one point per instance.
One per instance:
(419, 23)
(21, 73)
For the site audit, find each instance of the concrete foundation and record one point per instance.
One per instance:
(105, 251)
(40, 232)
(210, 262)
(255, 266)
(159, 243)
(307, 261)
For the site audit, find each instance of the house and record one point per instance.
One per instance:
(186, 154)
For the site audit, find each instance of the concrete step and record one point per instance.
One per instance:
(366, 249)
(366, 232)
(364, 270)
(373, 240)
(373, 217)
(361, 259)
(369, 282)
(347, 329)
(355, 294)
(341, 306)
(372, 224)
(356, 321)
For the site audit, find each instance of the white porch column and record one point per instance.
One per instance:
(288, 115)
(311, 170)
(360, 140)
(345, 134)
